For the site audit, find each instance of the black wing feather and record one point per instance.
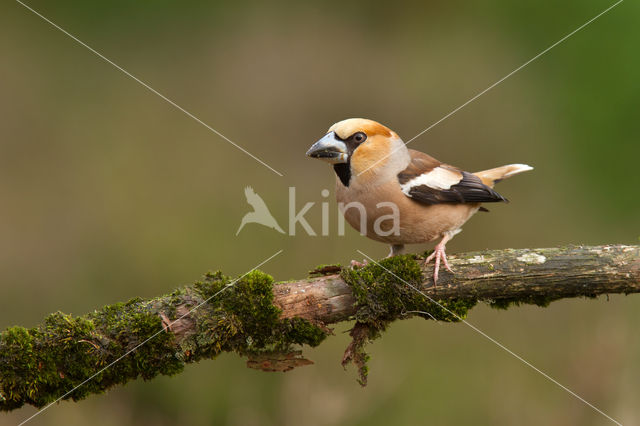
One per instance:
(469, 190)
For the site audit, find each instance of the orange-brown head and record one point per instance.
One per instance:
(357, 146)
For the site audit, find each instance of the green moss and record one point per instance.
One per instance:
(325, 269)
(125, 341)
(135, 329)
(19, 359)
(361, 334)
(243, 319)
(301, 331)
(390, 290)
(506, 303)
(537, 300)
(41, 364)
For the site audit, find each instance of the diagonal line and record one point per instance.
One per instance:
(496, 83)
(151, 89)
(509, 351)
(153, 336)
(515, 71)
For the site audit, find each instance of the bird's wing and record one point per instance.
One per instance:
(428, 181)
(254, 199)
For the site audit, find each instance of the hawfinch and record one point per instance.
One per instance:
(401, 196)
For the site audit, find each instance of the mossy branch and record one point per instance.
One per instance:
(269, 322)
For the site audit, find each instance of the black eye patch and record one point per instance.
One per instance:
(343, 170)
(353, 141)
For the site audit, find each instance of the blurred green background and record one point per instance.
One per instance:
(108, 192)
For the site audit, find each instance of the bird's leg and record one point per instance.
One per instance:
(396, 249)
(439, 255)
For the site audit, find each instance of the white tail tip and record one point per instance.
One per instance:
(517, 168)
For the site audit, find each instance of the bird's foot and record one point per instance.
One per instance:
(440, 256)
(355, 264)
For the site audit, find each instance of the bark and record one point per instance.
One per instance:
(509, 276)
(266, 321)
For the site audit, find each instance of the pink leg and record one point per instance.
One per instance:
(439, 255)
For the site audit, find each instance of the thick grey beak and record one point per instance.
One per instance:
(329, 149)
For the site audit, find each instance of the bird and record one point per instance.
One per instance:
(402, 196)
(260, 213)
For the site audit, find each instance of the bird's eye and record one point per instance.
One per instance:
(359, 137)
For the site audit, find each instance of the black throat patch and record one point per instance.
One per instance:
(343, 170)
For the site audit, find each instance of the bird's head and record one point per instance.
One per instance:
(359, 146)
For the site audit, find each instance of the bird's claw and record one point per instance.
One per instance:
(355, 264)
(440, 256)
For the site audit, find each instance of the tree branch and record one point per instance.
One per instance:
(267, 322)
(500, 277)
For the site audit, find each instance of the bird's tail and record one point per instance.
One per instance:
(492, 176)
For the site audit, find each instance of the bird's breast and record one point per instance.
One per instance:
(375, 210)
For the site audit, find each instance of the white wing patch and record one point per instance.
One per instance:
(439, 178)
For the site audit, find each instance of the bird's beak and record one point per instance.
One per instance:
(330, 149)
